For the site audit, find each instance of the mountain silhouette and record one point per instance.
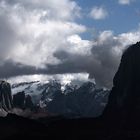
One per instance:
(124, 98)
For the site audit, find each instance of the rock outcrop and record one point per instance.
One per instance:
(28, 102)
(18, 100)
(22, 101)
(84, 101)
(5, 96)
(124, 99)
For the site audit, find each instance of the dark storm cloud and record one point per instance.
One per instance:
(102, 71)
(11, 69)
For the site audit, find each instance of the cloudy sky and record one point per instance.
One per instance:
(66, 39)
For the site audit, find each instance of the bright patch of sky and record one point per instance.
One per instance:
(123, 15)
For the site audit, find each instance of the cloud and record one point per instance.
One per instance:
(7, 37)
(12, 69)
(125, 2)
(98, 13)
(73, 78)
(43, 37)
(102, 61)
(31, 31)
(54, 9)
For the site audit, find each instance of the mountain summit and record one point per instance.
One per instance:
(124, 99)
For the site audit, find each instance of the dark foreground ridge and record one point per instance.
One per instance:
(119, 121)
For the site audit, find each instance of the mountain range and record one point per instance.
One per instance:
(66, 100)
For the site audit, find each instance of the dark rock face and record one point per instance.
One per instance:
(58, 105)
(20, 100)
(28, 102)
(124, 99)
(85, 101)
(5, 96)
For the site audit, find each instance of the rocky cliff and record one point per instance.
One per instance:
(22, 101)
(5, 96)
(124, 99)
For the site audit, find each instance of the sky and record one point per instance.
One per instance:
(66, 39)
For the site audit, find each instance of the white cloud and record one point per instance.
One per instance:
(107, 51)
(32, 32)
(125, 2)
(77, 78)
(79, 46)
(37, 28)
(54, 9)
(102, 61)
(98, 13)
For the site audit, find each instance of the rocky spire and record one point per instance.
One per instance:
(124, 99)
(5, 96)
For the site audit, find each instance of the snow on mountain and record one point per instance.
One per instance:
(34, 89)
(84, 100)
(42, 90)
(28, 87)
